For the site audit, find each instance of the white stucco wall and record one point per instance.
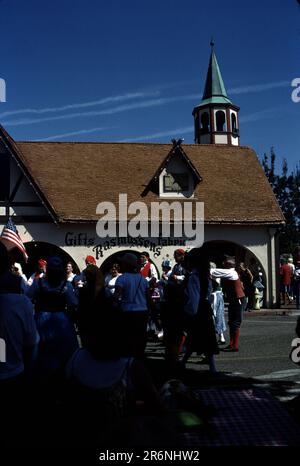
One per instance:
(234, 141)
(221, 139)
(25, 193)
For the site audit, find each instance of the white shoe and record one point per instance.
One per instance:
(160, 334)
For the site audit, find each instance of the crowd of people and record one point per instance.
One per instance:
(91, 330)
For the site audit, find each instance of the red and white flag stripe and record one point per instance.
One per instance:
(11, 238)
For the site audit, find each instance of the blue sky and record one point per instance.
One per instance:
(133, 70)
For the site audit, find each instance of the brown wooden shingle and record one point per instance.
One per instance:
(75, 177)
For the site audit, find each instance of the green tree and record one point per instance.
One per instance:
(286, 187)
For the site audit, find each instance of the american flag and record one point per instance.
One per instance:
(11, 238)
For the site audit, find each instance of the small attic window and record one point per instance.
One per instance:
(176, 182)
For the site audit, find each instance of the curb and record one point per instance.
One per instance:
(268, 312)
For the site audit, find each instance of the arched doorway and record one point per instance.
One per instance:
(39, 250)
(218, 249)
(116, 259)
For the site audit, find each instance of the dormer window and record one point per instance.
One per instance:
(176, 182)
(176, 177)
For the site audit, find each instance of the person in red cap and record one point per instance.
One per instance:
(80, 280)
(40, 272)
(90, 260)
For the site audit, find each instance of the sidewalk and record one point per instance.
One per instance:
(283, 311)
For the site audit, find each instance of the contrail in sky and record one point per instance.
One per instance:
(174, 132)
(258, 87)
(108, 111)
(131, 106)
(74, 133)
(105, 100)
(256, 116)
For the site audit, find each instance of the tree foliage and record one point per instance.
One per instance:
(286, 187)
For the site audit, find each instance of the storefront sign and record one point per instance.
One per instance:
(154, 245)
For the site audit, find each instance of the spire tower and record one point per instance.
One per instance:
(216, 117)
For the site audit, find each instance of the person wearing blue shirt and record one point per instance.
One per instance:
(132, 296)
(54, 299)
(201, 337)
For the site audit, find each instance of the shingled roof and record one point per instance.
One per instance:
(75, 176)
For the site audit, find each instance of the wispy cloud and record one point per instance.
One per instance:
(252, 117)
(75, 133)
(107, 111)
(127, 107)
(174, 132)
(261, 114)
(94, 103)
(258, 87)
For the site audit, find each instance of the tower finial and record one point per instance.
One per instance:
(212, 42)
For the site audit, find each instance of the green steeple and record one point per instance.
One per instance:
(214, 91)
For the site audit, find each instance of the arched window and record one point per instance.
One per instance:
(233, 123)
(220, 120)
(205, 122)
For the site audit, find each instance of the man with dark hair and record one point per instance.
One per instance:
(148, 270)
(132, 294)
(233, 288)
(80, 280)
(174, 309)
(178, 272)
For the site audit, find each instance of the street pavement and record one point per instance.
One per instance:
(263, 359)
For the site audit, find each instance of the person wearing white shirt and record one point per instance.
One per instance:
(148, 269)
(173, 311)
(235, 292)
(110, 280)
(69, 272)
